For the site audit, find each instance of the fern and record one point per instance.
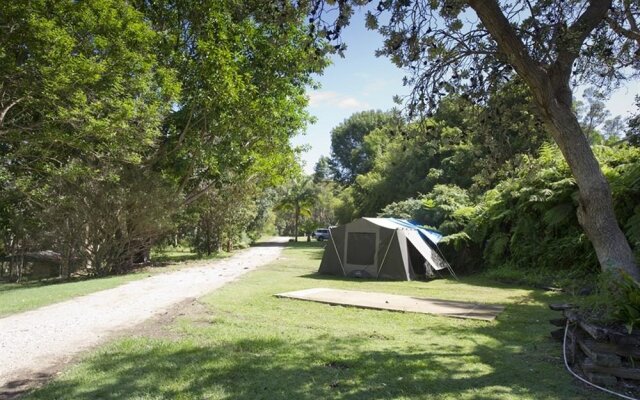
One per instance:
(457, 240)
(558, 215)
(632, 227)
(496, 248)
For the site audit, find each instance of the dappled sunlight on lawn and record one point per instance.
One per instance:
(248, 344)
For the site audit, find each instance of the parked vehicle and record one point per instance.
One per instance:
(321, 234)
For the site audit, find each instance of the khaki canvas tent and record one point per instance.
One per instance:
(385, 248)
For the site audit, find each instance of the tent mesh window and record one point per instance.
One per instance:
(361, 248)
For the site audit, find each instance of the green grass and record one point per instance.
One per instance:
(171, 254)
(251, 345)
(18, 297)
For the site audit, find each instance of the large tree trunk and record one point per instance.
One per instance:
(550, 86)
(595, 212)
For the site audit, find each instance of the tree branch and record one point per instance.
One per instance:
(508, 41)
(7, 108)
(630, 17)
(620, 30)
(570, 41)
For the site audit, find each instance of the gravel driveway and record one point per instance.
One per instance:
(37, 341)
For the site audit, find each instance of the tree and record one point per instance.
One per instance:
(225, 213)
(349, 155)
(633, 133)
(243, 68)
(117, 115)
(298, 197)
(592, 114)
(322, 170)
(81, 99)
(549, 45)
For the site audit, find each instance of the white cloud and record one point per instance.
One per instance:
(334, 99)
(350, 102)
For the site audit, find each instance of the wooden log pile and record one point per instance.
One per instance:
(606, 356)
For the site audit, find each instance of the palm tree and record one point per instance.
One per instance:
(298, 197)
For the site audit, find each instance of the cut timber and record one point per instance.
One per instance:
(627, 341)
(571, 348)
(598, 358)
(561, 306)
(588, 366)
(600, 379)
(394, 302)
(558, 334)
(594, 331)
(611, 348)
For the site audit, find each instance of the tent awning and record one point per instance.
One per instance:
(427, 252)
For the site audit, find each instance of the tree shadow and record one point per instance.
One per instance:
(505, 359)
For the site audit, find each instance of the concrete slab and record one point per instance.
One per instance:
(394, 302)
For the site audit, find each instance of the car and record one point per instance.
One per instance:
(321, 234)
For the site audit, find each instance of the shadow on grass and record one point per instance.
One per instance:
(9, 286)
(502, 361)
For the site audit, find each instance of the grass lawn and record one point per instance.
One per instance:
(18, 297)
(247, 344)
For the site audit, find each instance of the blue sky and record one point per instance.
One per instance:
(361, 81)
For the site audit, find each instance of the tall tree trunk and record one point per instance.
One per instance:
(550, 86)
(595, 212)
(295, 223)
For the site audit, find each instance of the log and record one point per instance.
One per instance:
(613, 348)
(627, 341)
(558, 334)
(588, 366)
(561, 306)
(596, 332)
(599, 358)
(601, 379)
(571, 349)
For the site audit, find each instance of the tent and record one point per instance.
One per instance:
(387, 248)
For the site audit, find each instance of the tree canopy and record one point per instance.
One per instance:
(123, 122)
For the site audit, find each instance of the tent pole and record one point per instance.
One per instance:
(385, 253)
(447, 262)
(337, 253)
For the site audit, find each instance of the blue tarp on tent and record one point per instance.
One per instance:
(430, 234)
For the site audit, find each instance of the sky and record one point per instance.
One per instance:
(361, 81)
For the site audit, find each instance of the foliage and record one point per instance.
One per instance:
(530, 222)
(123, 123)
(224, 214)
(628, 302)
(350, 155)
(464, 144)
(447, 48)
(297, 199)
(633, 133)
(322, 170)
(345, 208)
(524, 229)
(445, 206)
(411, 209)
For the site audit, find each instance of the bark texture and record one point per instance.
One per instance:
(550, 86)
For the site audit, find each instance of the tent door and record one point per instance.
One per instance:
(416, 261)
(361, 251)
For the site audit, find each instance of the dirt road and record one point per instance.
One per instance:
(38, 341)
